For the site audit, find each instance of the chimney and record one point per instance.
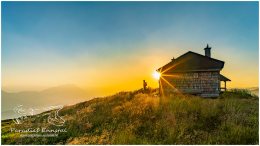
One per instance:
(207, 51)
(173, 58)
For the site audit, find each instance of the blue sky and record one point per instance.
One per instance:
(65, 36)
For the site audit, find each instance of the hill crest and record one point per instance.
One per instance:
(137, 118)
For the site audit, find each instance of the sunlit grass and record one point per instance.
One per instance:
(138, 118)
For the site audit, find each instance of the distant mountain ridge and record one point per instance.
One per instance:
(59, 95)
(254, 90)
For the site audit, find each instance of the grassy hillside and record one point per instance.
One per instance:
(136, 118)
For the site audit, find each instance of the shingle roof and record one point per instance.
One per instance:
(223, 78)
(191, 61)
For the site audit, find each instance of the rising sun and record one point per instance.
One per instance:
(156, 75)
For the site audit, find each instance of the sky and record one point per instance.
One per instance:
(106, 47)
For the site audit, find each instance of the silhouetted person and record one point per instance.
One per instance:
(144, 85)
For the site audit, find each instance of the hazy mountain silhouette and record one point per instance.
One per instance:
(60, 95)
(254, 90)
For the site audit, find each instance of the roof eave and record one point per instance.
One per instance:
(198, 70)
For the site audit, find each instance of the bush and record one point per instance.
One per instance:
(238, 93)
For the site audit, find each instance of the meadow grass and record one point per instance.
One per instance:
(138, 118)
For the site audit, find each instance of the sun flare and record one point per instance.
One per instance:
(156, 75)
